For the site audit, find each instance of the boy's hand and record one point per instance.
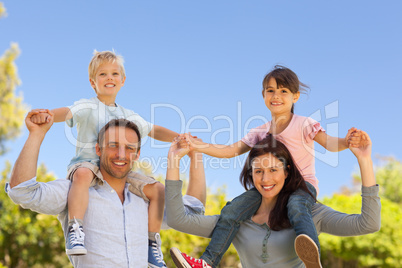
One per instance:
(44, 127)
(40, 116)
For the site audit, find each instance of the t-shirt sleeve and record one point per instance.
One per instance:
(80, 110)
(310, 129)
(255, 135)
(143, 126)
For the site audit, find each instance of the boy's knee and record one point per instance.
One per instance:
(155, 191)
(83, 176)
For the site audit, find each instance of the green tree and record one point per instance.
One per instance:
(12, 109)
(29, 239)
(389, 176)
(380, 249)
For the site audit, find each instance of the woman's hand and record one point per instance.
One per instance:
(179, 148)
(361, 149)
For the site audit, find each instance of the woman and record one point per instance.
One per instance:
(266, 239)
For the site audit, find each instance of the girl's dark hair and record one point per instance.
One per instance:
(286, 78)
(278, 217)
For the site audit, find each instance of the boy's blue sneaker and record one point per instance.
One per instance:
(155, 256)
(75, 240)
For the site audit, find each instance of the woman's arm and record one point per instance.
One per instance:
(177, 217)
(369, 221)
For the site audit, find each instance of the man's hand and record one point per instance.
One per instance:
(44, 126)
(26, 165)
(41, 116)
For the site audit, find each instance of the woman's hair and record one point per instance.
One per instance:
(286, 78)
(278, 218)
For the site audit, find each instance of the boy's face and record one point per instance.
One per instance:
(108, 81)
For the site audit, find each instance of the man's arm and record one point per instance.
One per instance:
(47, 198)
(26, 164)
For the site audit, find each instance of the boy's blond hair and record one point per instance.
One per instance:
(102, 57)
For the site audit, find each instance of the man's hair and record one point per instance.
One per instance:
(119, 123)
(102, 57)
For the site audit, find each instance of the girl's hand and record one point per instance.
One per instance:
(362, 148)
(193, 153)
(353, 137)
(194, 142)
(179, 148)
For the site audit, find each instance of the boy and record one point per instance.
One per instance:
(107, 76)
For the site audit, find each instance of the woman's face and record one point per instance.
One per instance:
(269, 175)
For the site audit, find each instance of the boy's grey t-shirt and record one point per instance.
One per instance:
(90, 116)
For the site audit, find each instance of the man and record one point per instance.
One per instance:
(116, 220)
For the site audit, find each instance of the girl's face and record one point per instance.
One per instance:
(279, 100)
(269, 175)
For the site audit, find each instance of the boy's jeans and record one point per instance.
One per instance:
(244, 207)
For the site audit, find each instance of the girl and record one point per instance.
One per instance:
(266, 238)
(281, 90)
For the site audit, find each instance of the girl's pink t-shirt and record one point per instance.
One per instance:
(298, 137)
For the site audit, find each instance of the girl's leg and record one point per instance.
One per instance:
(299, 213)
(307, 245)
(238, 210)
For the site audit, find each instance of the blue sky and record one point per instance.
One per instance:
(199, 65)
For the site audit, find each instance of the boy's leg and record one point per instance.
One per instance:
(299, 212)
(78, 194)
(77, 200)
(156, 194)
(238, 210)
(153, 192)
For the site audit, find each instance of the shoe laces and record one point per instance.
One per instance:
(76, 235)
(200, 261)
(156, 249)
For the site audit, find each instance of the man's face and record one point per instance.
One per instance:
(118, 152)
